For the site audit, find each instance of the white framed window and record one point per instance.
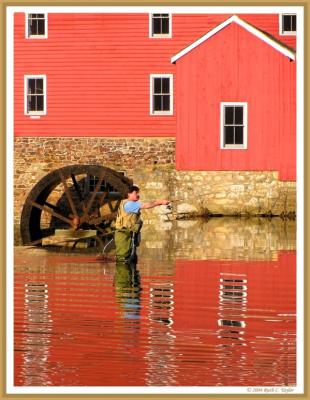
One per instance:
(161, 94)
(234, 125)
(287, 24)
(160, 25)
(36, 26)
(35, 95)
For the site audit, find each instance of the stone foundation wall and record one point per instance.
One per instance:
(207, 193)
(151, 165)
(233, 193)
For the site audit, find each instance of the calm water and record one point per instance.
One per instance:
(209, 304)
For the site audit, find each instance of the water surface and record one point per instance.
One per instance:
(210, 303)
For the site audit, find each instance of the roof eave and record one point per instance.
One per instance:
(282, 49)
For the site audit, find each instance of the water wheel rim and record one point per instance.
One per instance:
(36, 201)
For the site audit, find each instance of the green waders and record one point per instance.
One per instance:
(123, 244)
(126, 242)
(128, 226)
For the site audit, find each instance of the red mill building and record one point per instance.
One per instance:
(197, 107)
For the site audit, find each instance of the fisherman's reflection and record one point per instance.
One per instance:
(127, 288)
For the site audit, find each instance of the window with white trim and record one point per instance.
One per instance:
(288, 24)
(233, 125)
(35, 94)
(160, 25)
(36, 26)
(161, 98)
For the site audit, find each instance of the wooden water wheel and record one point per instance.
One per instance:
(73, 206)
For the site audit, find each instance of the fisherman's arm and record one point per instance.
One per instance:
(155, 203)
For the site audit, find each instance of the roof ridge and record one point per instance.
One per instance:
(265, 36)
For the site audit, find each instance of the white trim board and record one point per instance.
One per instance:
(250, 28)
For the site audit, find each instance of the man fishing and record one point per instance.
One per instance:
(128, 223)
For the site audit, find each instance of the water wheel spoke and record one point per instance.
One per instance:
(117, 205)
(102, 197)
(97, 221)
(96, 190)
(68, 194)
(110, 205)
(110, 217)
(53, 207)
(78, 190)
(53, 213)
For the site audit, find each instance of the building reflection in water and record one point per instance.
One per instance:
(232, 306)
(36, 338)
(217, 309)
(160, 351)
(236, 324)
(231, 311)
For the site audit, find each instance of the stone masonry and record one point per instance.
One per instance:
(151, 164)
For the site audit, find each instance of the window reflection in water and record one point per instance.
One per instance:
(231, 312)
(160, 352)
(36, 338)
(232, 305)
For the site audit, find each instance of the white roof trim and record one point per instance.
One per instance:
(281, 48)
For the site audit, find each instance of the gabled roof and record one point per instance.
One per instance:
(282, 48)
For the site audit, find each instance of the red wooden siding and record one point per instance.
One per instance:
(98, 68)
(236, 66)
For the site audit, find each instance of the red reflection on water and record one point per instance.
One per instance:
(214, 323)
(249, 311)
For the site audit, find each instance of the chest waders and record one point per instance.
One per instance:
(127, 233)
